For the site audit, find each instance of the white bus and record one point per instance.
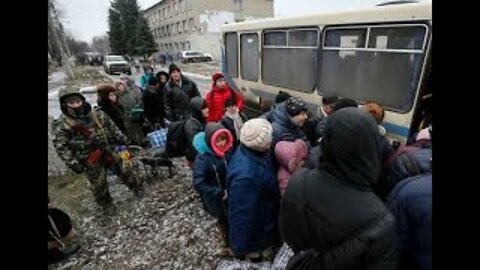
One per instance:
(381, 54)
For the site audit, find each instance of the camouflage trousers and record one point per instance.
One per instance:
(97, 176)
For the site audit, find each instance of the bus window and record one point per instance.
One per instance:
(231, 54)
(386, 71)
(249, 56)
(305, 38)
(293, 65)
(275, 38)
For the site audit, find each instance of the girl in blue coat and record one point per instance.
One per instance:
(210, 170)
(253, 194)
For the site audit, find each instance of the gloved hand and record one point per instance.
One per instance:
(77, 168)
(225, 196)
(157, 126)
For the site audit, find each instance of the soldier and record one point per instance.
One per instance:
(84, 139)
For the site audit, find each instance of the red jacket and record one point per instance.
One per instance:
(216, 105)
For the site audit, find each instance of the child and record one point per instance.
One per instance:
(290, 156)
(233, 120)
(210, 170)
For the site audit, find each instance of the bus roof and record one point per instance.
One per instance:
(414, 11)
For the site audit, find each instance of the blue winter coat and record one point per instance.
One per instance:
(283, 127)
(254, 198)
(206, 168)
(144, 80)
(411, 204)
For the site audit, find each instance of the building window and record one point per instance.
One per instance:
(191, 25)
(175, 7)
(184, 26)
(179, 27)
(181, 3)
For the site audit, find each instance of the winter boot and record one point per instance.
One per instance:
(55, 255)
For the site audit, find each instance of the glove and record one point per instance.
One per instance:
(77, 168)
(157, 126)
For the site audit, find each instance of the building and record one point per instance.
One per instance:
(179, 25)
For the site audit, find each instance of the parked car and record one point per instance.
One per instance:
(194, 56)
(116, 63)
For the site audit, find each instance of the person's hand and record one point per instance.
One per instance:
(225, 196)
(78, 168)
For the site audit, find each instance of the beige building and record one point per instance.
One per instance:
(179, 25)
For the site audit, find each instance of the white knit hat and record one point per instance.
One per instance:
(256, 134)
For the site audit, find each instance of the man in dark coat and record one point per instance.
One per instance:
(153, 98)
(287, 120)
(330, 216)
(178, 93)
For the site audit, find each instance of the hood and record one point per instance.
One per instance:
(212, 131)
(290, 154)
(280, 116)
(158, 77)
(103, 91)
(195, 107)
(351, 148)
(69, 91)
(82, 112)
(200, 144)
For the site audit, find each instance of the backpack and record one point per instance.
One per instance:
(176, 139)
(137, 114)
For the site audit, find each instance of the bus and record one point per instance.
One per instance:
(380, 54)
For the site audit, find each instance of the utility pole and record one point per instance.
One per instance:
(55, 29)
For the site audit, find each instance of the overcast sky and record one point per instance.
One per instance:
(88, 18)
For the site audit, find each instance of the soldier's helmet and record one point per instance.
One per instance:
(69, 91)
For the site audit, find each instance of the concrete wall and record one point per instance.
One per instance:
(208, 43)
(203, 19)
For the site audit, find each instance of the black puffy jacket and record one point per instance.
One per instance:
(177, 98)
(330, 216)
(283, 127)
(195, 124)
(153, 104)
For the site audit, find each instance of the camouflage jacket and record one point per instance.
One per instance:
(75, 141)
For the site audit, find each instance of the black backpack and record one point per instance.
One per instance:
(176, 138)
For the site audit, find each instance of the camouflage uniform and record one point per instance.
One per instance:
(88, 141)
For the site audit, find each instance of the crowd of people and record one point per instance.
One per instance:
(326, 182)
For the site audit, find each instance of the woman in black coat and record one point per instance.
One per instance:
(330, 216)
(107, 101)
